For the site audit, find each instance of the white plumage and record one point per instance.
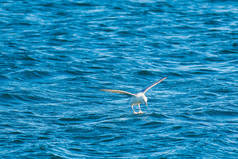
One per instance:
(137, 99)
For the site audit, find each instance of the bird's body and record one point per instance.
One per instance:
(137, 99)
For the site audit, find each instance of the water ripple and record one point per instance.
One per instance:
(57, 55)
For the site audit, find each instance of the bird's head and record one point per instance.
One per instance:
(145, 100)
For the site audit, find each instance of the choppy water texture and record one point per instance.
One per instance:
(56, 55)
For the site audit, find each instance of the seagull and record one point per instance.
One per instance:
(138, 98)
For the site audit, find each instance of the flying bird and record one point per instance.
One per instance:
(138, 98)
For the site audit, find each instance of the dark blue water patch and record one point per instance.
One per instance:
(31, 74)
(221, 114)
(145, 73)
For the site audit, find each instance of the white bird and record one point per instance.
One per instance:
(138, 98)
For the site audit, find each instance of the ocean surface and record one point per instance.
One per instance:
(55, 56)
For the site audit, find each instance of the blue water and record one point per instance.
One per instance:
(56, 55)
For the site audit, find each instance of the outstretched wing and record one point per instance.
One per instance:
(146, 89)
(117, 91)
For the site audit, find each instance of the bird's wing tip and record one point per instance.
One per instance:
(146, 89)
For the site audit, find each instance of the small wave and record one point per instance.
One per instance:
(157, 115)
(32, 74)
(3, 78)
(84, 4)
(222, 113)
(70, 119)
(7, 96)
(17, 141)
(145, 73)
(152, 124)
(109, 138)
